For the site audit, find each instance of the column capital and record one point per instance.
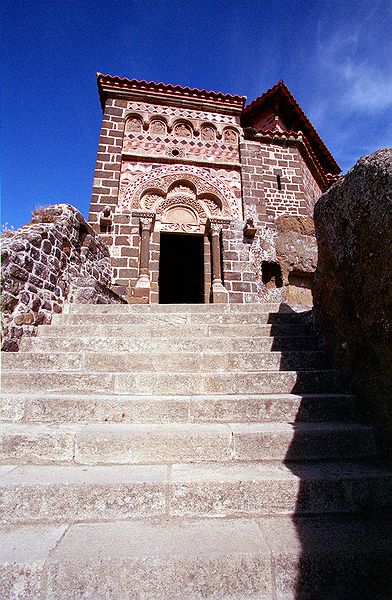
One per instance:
(146, 218)
(216, 223)
(145, 223)
(215, 228)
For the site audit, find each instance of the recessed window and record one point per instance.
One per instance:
(279, 182)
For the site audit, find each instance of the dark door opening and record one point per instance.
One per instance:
(181, 269)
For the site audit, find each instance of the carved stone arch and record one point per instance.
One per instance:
(183, 186)
(151, 198)
(208, 132)
(183, 129)
(133, 124)
(230, 136)
(158, 125)
(212, 204)
(162, 178)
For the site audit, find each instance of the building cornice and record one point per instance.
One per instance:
(110, 86)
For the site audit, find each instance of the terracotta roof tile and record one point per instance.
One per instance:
(168, 88)
(281, 90)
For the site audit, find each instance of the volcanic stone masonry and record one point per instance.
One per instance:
(56, 258)
(189, 185)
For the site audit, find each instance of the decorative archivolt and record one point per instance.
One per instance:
(150, 189)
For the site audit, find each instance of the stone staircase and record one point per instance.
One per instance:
(187, 452)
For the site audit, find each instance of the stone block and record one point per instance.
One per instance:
(67, 494)
(23, 554)
(166, 560)
(137, 444)
(26, 443)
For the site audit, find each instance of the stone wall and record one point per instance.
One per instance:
(55, 258)
(134, 133)
(276, 181)
(277, 265)
(353, 285)
(108, 165)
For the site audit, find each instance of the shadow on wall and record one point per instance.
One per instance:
(333, 546)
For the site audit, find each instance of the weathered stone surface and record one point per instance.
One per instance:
(73, 493)
(296, 251)
(176, 330)
(162, 560)
(302, 441)
(26, 443)
(353, 285)
(296, 224)
(335, 558)
(47, 262)
(23, 553)
(53, 343)
(133, 444)
(246, 489)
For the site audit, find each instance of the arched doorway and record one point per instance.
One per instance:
(181, 216)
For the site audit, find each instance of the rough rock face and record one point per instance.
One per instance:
(285, 260)
(296, 251)
(57, 257)
(353, 282)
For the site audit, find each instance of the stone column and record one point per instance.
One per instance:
(142, 287)
(219, 293)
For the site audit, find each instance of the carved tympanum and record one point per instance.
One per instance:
(208, 134)
(230, 136)
(133, 125)
(183, 130)
(158, 128)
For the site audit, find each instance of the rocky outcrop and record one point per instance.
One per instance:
(296, 251)
(353, 282)
(56, 257)
(285, 259)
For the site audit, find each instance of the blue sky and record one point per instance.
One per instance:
(334, 55)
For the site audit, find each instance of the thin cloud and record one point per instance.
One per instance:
(354, 62)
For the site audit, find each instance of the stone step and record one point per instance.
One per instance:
(190, 362)
(170, 383)
(120, 443)
(78, 309)
(60, 408)
(197, 318)
(177, 330)
(270, 558)
(170, 344)
(69, 494)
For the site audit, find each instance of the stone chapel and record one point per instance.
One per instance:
(188, 182)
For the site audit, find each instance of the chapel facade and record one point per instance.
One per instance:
(188, 184)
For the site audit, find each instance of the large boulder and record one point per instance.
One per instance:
(353, 283)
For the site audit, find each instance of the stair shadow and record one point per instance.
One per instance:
(325, 554)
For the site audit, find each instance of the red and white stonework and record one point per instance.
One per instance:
(186, 162)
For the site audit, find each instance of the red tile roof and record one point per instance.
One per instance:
(280, 92)
(167, 88)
